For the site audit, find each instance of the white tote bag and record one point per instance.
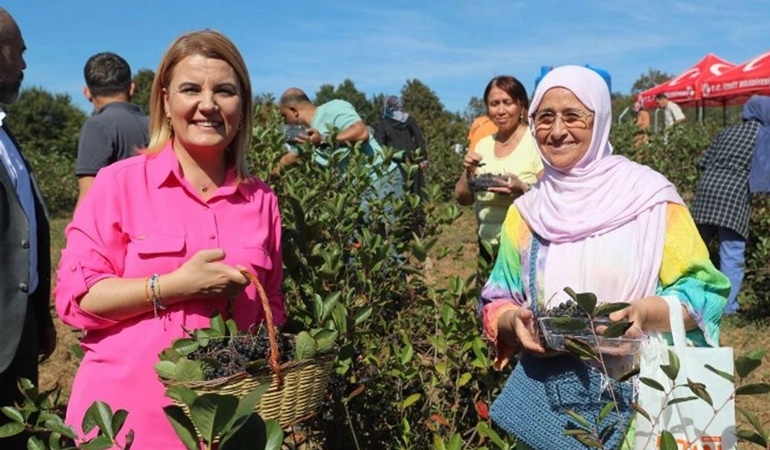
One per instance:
(688, 421)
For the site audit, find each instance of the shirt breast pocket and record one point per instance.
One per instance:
(154, 253)
(150, 246)
(259, 260)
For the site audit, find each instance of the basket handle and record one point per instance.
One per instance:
(274, 364)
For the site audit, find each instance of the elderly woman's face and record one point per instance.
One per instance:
(203, 101)
(563, 128)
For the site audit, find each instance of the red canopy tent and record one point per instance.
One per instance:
(735, 86)
(685, 88)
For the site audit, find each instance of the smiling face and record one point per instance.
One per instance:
(203, 101)
(503, 109)
(560, 145)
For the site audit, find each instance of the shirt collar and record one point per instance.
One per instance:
(163, 170)
(126, 106)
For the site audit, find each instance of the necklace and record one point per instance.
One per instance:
(511, 137)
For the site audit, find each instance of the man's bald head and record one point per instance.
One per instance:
(12, 62)
(296, 108)
(293, 96)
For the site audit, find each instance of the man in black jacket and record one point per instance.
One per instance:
(25, 264)
(400, 131)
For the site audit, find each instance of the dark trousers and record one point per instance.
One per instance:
(24, 365)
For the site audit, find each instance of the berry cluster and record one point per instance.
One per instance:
(568, 309)
(482, 182)
(228, 356)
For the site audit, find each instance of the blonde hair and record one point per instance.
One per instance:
(210, 44)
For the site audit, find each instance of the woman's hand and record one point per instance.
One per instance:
(650, 314)
(517, 328)
(509, 184)
(205, 276)
(471, 161)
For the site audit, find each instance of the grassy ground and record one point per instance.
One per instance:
(741, 335)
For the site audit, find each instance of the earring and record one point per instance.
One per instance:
(170, 127)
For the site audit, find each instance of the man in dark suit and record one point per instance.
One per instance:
(28, 334)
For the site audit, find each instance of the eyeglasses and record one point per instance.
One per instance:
(575, 118)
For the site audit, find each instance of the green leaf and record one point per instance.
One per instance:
(186, 370)
(329, 303)
(98, 443)
(753, 420)
(667, 441)
(185, 346)
(169, 354)
(578, 418)
(464, 379)
(485, 430)
(672, 368)
(567, 324)
(101, 414)
(604, 412)
(118, 419)
(60, 427)
(183, 426)
(247, 403)
(605, 309)
(411, 400)
(699, 389)
(11, 429)
(752, 437)
(722, 374)
(587, 302)
(325, 340)
(652, 383)
(617, 329)
(318, 308)
(455, 442)
(211, 413)
(407, 353)
(218, 325)
(674, 401)
(753, 389)
(587, 439)
(274, 435)
(362, 314)
(165, 369)
(579, 347)
(305, 346)
(12, 413)
(232, 327)
(203, 337)
(571, 293)
(34, 443)
(744, 365)
(251, 433)
(181, 394)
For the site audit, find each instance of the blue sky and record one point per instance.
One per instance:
(453, 46)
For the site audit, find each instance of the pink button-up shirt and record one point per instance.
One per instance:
(142, 217)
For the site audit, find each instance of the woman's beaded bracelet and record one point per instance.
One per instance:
(157, 300)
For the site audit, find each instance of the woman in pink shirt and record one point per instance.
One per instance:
(160, 241)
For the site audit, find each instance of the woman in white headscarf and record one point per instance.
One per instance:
(595, 222)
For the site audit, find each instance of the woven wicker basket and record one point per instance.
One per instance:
(296, 387)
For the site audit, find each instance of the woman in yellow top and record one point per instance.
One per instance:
(509, 153)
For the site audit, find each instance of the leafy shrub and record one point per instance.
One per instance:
(413, 368)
